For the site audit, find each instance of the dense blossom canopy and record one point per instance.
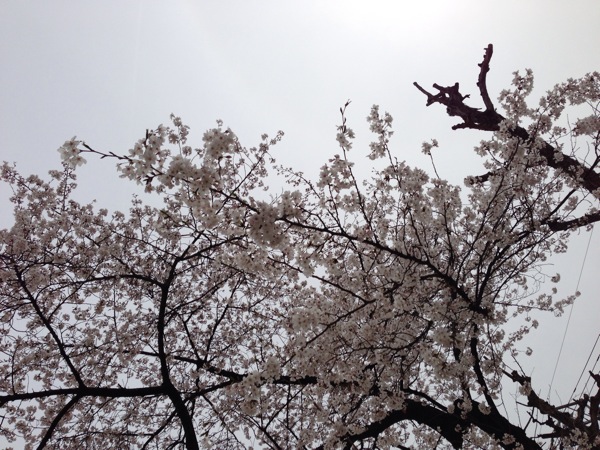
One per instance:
(334, 313)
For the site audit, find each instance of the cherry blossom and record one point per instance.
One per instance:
(333, 313)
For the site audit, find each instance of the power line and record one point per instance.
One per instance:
(569, 319)
(585, 365)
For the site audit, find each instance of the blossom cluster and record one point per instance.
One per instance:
(314, 318)
(70, 152)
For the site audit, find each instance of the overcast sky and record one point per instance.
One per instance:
(108, 70)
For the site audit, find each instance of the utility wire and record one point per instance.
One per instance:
(583, 370)
(569, 319)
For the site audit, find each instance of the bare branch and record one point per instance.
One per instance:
(489, 120)
(481, 82)
(587, 219)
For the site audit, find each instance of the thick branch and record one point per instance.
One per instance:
(481, 82)
(489, 120)
(557, 225)
(85, 392)
(498, 426)
(566, 422)
(451, 97)
(448, 425)
(595, 407)
(65, 409)
(191, 440)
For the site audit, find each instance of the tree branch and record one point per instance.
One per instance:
(481, 82)
(85, 392)
(587, 219)
(489, 120)
(65, 409)
(451, 427)
(569, 423)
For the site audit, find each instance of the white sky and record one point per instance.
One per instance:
(106, 71)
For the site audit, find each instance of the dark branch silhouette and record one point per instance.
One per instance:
(489, 120)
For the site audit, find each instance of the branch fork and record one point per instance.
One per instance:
(450, 96)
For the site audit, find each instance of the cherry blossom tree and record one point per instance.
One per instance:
(330, 313)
